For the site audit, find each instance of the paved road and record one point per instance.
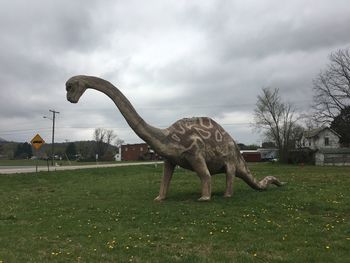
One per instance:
(31, 169)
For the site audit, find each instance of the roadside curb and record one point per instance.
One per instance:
(73, 167)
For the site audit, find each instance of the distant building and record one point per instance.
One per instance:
(325, 143)
(323, 137)
(268, 154)
(251, 155)
(138, 151)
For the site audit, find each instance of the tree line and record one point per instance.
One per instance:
(104, 145)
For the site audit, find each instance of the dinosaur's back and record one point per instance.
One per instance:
(203, 136)
(203, 127)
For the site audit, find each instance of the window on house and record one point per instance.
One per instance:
(141, 149)
(126, 149)
(326, 141)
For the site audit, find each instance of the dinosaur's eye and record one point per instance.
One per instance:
(69, 87)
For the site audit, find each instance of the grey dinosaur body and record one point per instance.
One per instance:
(198, 144)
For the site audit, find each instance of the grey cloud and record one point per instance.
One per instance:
(258, 29)
(172, 59)
(49, 25)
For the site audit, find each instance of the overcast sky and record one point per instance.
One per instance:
(172, 59)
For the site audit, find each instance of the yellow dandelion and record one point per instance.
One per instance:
(327, 247)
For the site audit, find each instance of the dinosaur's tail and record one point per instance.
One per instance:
(244, 173)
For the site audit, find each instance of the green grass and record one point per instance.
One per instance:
(108, 215)
(25, 162)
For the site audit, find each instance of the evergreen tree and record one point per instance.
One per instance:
(341, 124)
(23, 151)
(71, 150)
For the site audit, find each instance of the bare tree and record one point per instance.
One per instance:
(119, 142)
(332, 87)
(110, 136)
(103, 138)
(277, 119)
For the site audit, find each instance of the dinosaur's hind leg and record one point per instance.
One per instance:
(230, 175)
(164, 185)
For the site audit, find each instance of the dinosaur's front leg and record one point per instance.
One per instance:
(206, 187)
(200, 167)
(164, 185)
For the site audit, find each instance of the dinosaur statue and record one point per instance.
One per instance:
(197, 144)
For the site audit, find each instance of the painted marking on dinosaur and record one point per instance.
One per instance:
(218, 136)
(175, 137)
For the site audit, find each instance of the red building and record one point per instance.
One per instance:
(251, 156)
(137, 152)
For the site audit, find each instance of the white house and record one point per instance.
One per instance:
(320, 138)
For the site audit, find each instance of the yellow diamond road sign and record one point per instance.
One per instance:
(37, 142)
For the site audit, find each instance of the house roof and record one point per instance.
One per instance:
(314, 132)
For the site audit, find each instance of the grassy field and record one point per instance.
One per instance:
(22, 162)
(108, 215)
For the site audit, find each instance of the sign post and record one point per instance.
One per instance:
(37, 142)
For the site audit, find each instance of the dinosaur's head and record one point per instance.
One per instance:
(75, 87)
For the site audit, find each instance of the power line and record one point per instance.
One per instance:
(9, 132)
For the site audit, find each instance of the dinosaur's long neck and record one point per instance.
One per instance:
(153, 136)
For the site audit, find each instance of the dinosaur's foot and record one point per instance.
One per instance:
(204, 198)
(159, 198)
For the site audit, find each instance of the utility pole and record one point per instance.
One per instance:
(53, 134)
